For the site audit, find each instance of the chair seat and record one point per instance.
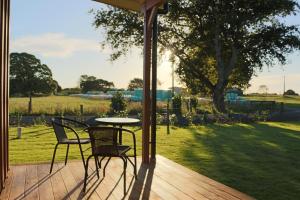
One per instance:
(75, 141)
(109, 150)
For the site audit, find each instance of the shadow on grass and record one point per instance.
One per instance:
(259, 159)
(35, 133)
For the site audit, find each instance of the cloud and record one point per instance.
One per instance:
(55, 45)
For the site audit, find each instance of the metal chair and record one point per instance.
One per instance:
(60, 125)
(104, 142)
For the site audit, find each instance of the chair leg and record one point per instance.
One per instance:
(101, 161)
(135, 170)
(97, 165)
(124, 173)
(106, 166)
(86, 166)
(66, 159)
(53, 157)
(133, 163)
(81, 152)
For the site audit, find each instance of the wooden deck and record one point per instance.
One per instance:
(163, 180)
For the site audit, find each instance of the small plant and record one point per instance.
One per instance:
(118, 103)
(160, 119)
(122, 113)
(173, 119)
(19, 119)
(41, 120)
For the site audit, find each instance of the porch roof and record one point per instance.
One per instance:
(134, 5)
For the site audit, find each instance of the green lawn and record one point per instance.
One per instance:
(289, 101)
(261, 159)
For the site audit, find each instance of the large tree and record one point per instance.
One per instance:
(28, 76)
(217, 44)
(135, 84)
(91, 83)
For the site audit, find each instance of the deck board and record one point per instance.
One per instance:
(164, 179)
(31, 183)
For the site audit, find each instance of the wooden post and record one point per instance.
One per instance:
(168, 117)
(146, 86)
(154, 88)
(4, 63)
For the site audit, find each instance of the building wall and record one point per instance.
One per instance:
(4, 71)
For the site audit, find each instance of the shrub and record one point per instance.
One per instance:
(118, 103)
(176, 105)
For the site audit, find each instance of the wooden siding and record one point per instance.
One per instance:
(164, 179)
(4, 71)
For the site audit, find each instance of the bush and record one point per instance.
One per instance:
(176, 105)
(198, 119)
(185, 120)
(118, 103)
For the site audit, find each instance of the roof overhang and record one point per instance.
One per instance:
(134, 5)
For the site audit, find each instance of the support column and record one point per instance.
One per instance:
(154, 88)
(146, 86)
(4, 79)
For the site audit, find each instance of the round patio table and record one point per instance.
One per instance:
(118, 122)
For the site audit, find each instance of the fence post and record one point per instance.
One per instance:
(81, 113)
(81, 110)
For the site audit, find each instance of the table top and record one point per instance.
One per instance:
(118, 121)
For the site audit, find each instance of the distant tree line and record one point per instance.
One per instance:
(91, 83)
(29, 77)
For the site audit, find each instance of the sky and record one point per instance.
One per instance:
(60, 33)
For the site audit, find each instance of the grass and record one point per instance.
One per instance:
(259, 159)
(289, 101)
(58, 104)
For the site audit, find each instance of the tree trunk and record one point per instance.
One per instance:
(30, 104)
(219, 101)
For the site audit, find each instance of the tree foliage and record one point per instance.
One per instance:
(217, 44)
(135, 84)
(291, 92)
(91, 83)
(28, 76)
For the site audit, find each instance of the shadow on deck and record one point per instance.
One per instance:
(164, 179)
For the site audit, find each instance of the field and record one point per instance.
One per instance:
(260, 159)
(58, 105)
